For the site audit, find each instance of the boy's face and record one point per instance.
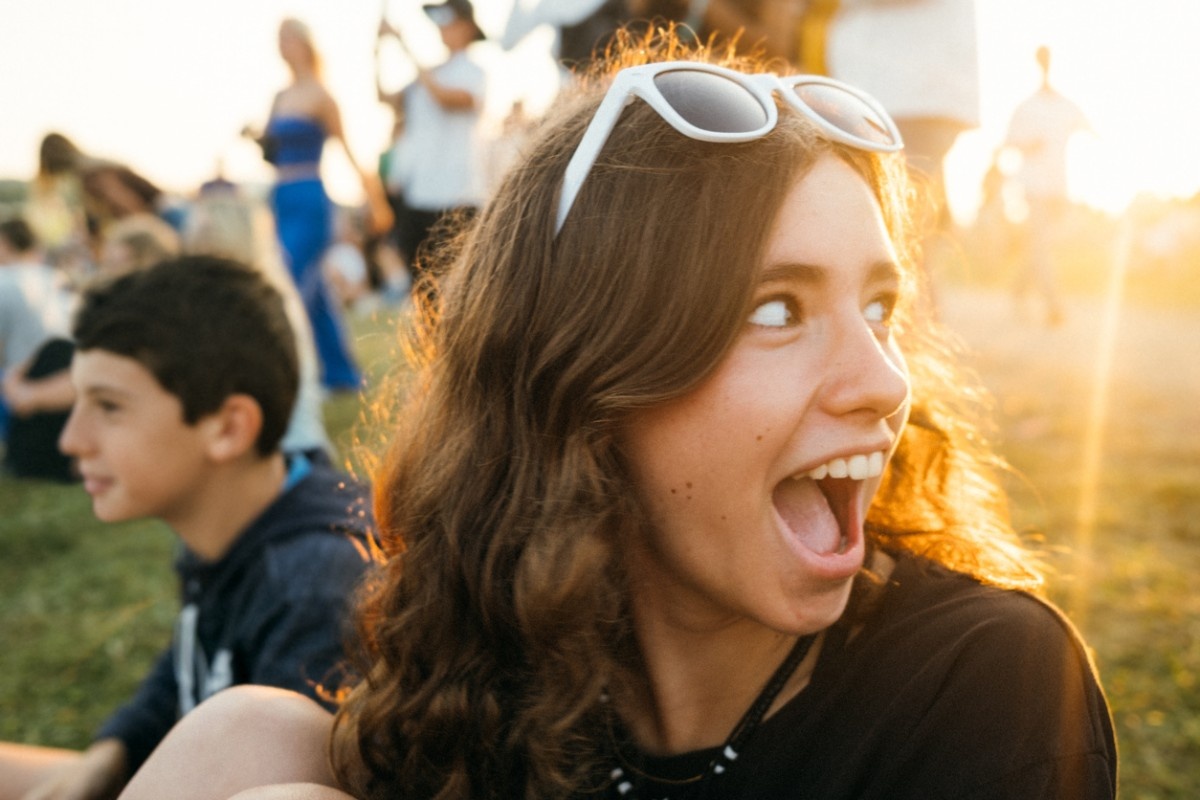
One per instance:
(137, 456)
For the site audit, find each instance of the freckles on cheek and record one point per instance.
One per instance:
(684, 492)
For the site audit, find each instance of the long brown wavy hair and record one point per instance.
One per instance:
(500, 615)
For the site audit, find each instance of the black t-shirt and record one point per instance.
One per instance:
(950, 689)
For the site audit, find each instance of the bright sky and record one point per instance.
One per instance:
(166, 85)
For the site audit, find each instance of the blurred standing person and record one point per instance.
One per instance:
(994, 237)
(303, 115)
(54, 208)
(1040, 129)
(434, 167)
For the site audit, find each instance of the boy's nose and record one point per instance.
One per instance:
(70, 441)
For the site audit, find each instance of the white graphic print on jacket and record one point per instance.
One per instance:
(198, 677)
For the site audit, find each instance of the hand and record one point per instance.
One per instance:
(98, 774)
(379, 217)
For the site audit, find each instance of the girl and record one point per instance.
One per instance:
(303, 115)
(686, 499)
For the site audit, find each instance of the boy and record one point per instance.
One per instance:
(185, 376)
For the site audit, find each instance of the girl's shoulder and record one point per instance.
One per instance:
(958, 616)
(947, 670)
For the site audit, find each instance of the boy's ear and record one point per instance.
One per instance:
(234, 427)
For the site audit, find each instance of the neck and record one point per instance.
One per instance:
(701, 682)
(230, 499)
(302, 73)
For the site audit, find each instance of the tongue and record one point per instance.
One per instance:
(806, 511)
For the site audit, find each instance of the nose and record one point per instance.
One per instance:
(866, 375)
(71, 440)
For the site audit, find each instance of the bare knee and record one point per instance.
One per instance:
(240, 738)
(265, 724)
(259, 709)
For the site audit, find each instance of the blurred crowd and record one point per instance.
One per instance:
(86, 217)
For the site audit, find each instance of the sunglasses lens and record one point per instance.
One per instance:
(711, 102)
(845, 112)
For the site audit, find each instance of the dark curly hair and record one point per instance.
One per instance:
(501, 612)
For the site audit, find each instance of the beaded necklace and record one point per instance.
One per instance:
(627, 780)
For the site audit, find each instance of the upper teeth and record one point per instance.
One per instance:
(858, 467)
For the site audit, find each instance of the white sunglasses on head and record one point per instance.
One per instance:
(716, 104)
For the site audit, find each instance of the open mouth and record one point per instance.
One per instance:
(821, 507)
(818, 513)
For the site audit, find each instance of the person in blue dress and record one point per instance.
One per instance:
(303, 115)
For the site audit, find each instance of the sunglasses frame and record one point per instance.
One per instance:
(639, 82)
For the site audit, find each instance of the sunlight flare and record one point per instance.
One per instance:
(1093, 439)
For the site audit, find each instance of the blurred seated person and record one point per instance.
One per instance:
(110, 189)
(37, 388)
(34, 308)
(136, 242)
(345, 264)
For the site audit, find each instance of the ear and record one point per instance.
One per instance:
(232, 429)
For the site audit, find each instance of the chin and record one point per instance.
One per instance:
(819, 610)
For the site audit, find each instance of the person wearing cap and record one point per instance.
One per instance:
(433, 168)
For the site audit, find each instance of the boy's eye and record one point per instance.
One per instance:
(777, 312)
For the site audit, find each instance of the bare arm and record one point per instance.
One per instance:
(27, 396)
(379, 212)
(394, 100)
(448, 97)
(96, 774)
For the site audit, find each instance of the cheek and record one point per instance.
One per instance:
(896, 355)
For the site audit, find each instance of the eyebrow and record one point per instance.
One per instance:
(883, 271)
(94, 389)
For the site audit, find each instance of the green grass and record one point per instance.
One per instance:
(1137, 597)
(84, 609)
(84, 606)
(1132, 584)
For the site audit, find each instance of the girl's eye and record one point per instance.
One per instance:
(777, 312)
(880, 311)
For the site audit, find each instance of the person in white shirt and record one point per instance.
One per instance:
(434, 166)
(1040, 129)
